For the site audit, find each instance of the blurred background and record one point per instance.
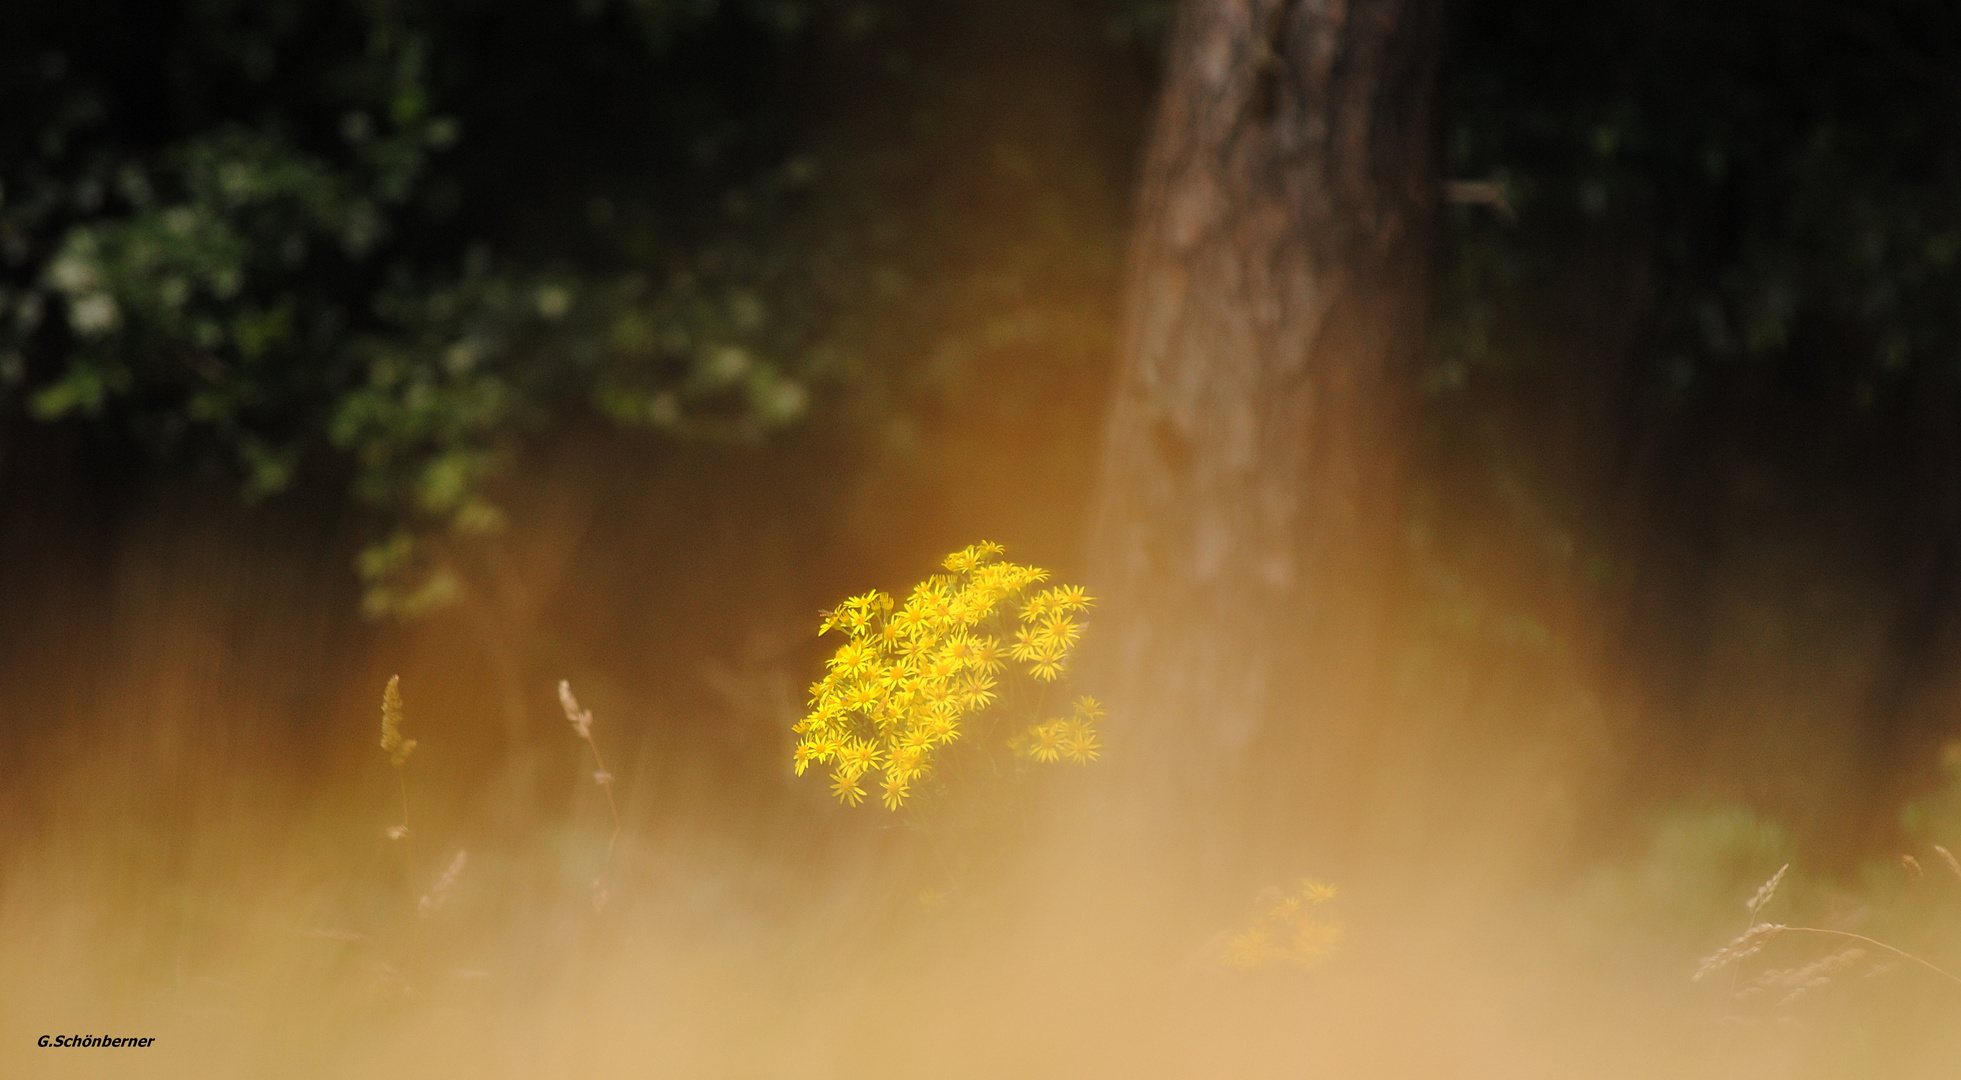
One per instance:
(491, 344)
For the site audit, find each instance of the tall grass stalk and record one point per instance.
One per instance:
(581, 720)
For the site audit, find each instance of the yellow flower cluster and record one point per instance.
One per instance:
(1287, 930)
(908, 674)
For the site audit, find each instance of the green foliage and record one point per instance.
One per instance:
(1935, 818)
(307, 237)
(1782, 173)
(379, 245)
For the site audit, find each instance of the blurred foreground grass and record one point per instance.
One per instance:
(274, 935)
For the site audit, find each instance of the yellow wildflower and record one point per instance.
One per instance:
(1287, 929)
(1079, 743)
(904, 762)
(1045, 743)
(851, 657)
(987, 656)
(942, 728)
(805, 753)
(1046, 668)
(859, 697)
(896, 690)
(844, 784)
(1069, 598)
(976, 692)
(859, 755)
(958, 649)
(1250, 948)
(1061, 628)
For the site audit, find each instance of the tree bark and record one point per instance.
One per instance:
(1249, 517)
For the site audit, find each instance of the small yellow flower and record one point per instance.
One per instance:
(844, 785)
(1069, 598)
(852, 657)
(1079, 743)
(904, 761)
(1250, 949)
(1058, 629)
(859, 697)
(1045, 742)
(987, 657)
(961, 562)
(958, 649)
(859, 755)
(1287, 930)
(976, 692)
(940, 668)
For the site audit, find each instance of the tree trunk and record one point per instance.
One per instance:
(1248, 521)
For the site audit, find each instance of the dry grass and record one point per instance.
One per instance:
(750, 955)
(1796, 982)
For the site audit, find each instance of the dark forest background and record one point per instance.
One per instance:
(614, 338)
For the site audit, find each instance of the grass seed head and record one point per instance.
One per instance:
(1744, 946)
(581, 718)
(1948, 858)
(1766, 892)
(398, 748)
(433, 900)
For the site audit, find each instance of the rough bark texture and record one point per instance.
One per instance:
(1277, 300)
